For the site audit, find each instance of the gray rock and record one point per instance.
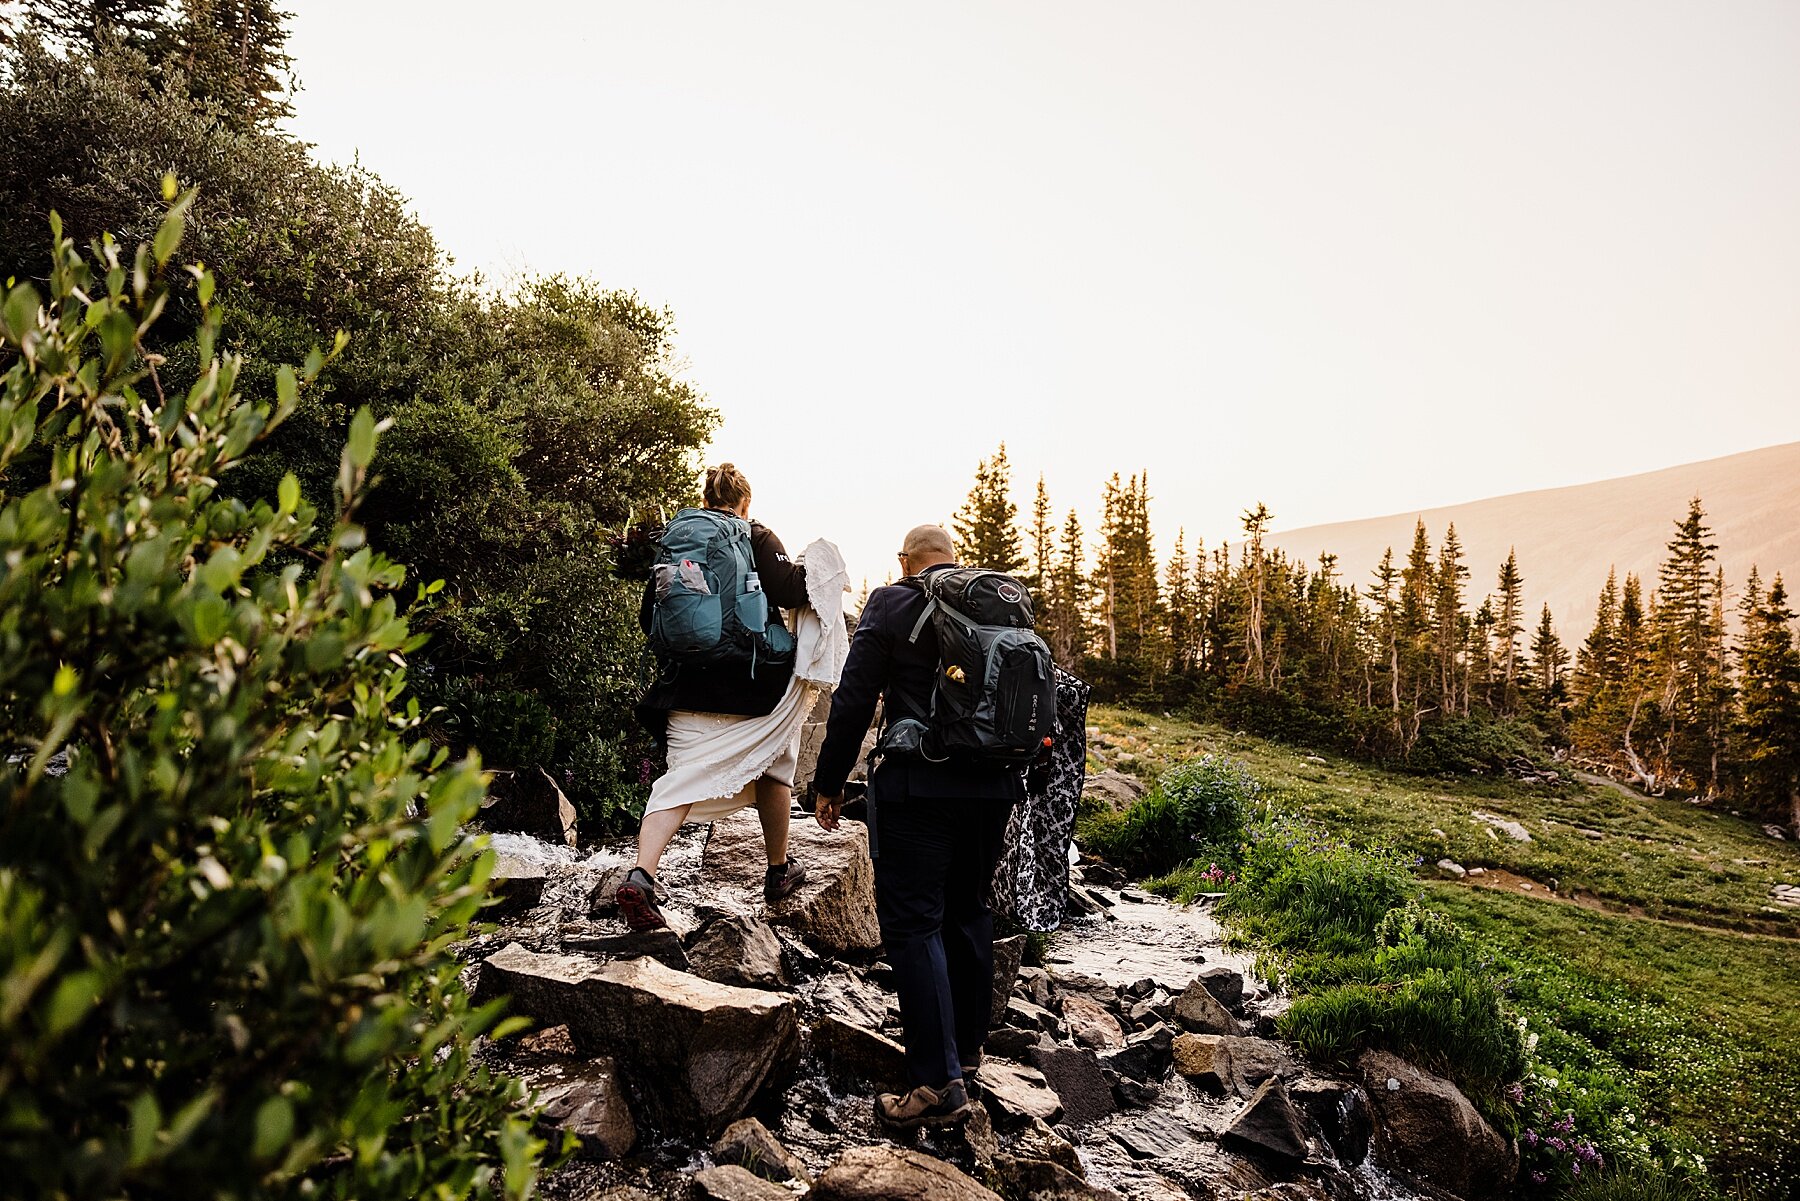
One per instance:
(1341, 1111)
(1075, 1075)
(1269, 1124)
(603, 897)
(1510, 828)
(859, 1054)
(882, 1173)
(732, 1183)
(834, 911)
(1012, 1043)
(1025, 1015)
(1038, 1141)
(1015, 1094)
(695, 1052)
(586, 1100)
(1199, 1012)
(1118, 790)
(1009, 955)
(1152, 1135)
(738, 950)
(1034, 985)
(1146, 1054)
(1254, 1060)
(748, 1144)
(1041, 1180)
(1226, 984)
(1451, 867)
(1091, 1025)
(1426, 1130)
(517, 886)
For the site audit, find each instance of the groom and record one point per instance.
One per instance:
(936, 831)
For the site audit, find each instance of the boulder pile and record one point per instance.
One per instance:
(736, 1056)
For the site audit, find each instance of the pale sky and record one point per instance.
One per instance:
(1345, 259)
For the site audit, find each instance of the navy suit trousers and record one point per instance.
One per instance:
(933, 866)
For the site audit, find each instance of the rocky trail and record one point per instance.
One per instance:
(735, 1057)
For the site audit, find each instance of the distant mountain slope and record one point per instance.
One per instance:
(1567, 537)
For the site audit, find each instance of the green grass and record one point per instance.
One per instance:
(1667, 858)
(1663, 1008)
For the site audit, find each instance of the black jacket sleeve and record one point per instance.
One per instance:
(866, 672)
(782, 579)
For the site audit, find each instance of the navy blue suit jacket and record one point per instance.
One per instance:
(884, 665)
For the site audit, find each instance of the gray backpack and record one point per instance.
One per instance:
(709, 606)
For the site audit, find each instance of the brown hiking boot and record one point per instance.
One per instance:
(779, 882)
(924, 1107)
(637, 901)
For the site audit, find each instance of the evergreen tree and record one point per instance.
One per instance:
(1447, 606)
(1596, 664)
(1182, 603)
(1549, 659)
(986, 528)
(1388, 626)
(234, 53)
(1688, 662)
(1256, 523)
(1127, 573)
(1508, 625)
(1068, 629)
(1769, 729)
(91, 25)
(1043, 544)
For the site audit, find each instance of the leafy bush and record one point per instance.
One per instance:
(523, 426)
(1196, 808)
(1299, 888)
(231, 866)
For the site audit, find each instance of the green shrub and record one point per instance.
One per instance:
(231, 866)
(1640, 1184)
(1300, 889)
(1196, 809)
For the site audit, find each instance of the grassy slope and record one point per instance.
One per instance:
(1713, 1031)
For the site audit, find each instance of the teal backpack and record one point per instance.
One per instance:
(709, 606)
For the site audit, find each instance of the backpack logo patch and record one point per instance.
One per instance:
(1012, 594)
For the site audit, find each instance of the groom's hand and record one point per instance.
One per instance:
(826, 810)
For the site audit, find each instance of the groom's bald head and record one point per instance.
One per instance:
(926, 546)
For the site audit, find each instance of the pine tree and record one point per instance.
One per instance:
(1548, 658)
(1182, 604)
(1688, 633)
(1769, 729)
(1596, 663)
(1127, 574)
(1043, 541)
(1068, 632)
(90, 25)
(986, 528)
(1447, 606)
(234, 53)
(1256, 523)
(1508, 625)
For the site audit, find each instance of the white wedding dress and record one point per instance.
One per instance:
(715, 759)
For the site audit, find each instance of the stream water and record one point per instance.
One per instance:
(1165, 1152)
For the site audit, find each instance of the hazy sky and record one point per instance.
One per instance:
(1346, 259)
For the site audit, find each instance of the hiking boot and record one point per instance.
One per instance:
(970, 1084)
(779, 882)
(924, 1107)
(637, 901)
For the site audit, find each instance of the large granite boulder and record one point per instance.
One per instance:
(732, 1183)
(1015, 1094)
(695, 1053)
(883, 1173)
(1425, 1129)
(585, 1099)
(834, 911)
